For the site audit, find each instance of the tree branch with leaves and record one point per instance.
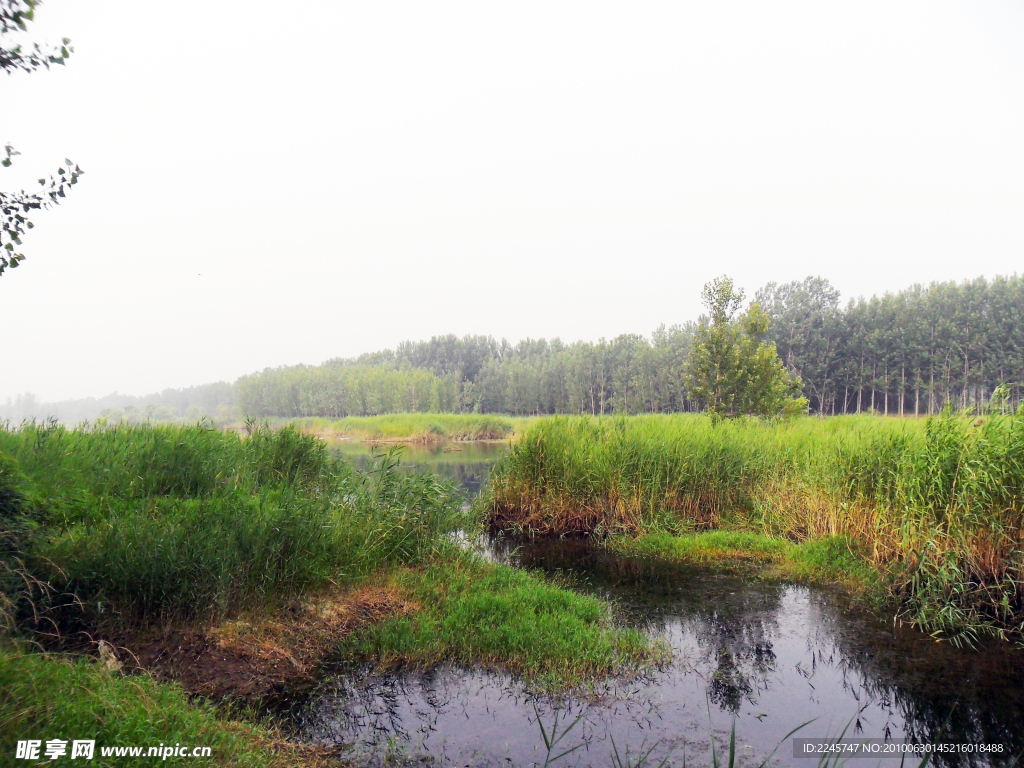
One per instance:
(16, 207)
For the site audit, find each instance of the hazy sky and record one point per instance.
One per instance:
(275, 183)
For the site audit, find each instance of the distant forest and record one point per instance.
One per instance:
(906, 353)
(213, 401)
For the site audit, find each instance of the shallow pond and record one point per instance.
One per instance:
(766, 656)
(467, 462)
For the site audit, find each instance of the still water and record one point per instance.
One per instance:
(767, 656)
(465, 462)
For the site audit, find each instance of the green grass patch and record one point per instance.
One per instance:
(47, 697)
(709, 547)
(833, 560)
(476, 613)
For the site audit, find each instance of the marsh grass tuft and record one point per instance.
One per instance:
(935, 506)
(153, 524)
(483, 614)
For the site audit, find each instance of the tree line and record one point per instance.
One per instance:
(336, 391)
(904, 353)
(910, 352)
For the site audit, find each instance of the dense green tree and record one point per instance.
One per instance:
(806, 328)
(732, 370)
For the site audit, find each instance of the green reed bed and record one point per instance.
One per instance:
(936, 505)
(154, 523)
(676, 473)
(149, 525)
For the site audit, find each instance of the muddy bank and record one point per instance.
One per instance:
(256, 659)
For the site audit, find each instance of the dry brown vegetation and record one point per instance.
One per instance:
(258, 656)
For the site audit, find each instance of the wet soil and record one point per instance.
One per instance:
(259, 659)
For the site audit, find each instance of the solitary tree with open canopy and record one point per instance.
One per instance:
(732, 370)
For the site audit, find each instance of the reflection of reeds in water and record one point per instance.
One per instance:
(923, 689)
(431, 718)
(928, 691)
(938, 692)
(938, 505)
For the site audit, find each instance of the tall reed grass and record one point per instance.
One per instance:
(937, 504)
(161, 523)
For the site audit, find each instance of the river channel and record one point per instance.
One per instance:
(759, 656)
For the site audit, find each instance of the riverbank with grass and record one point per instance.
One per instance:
(144, 566)
(935, 507)
(410, 427)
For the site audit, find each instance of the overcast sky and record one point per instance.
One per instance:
(276, 183)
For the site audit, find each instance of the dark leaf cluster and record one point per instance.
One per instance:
(13, 17)
(15, 207)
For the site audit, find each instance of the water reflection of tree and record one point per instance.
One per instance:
(735, 638)
(932, 692)
(732, 621)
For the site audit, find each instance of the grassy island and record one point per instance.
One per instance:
(934, 506)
